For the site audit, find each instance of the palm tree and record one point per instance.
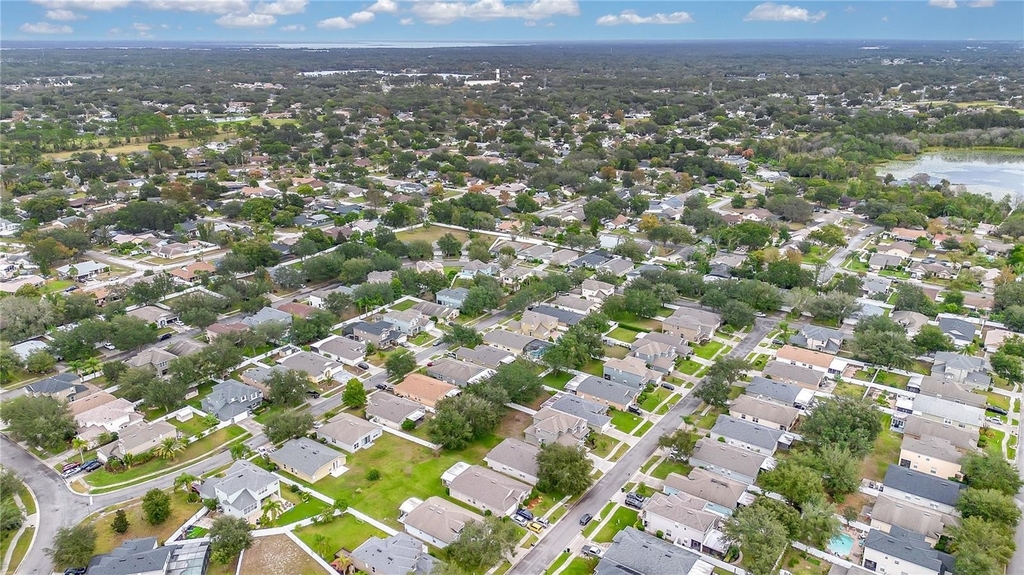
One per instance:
(169, 448)
(340, 505)
(342, 564)
(91, 365)
(128, 459)
(239, 451)
(80, 444)
(322, 545)
(271, 510)
(184, 481)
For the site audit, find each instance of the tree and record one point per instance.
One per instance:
(833, 306)
(129, 333)
(73, 546)
(989, 504)
(287, 388)
(982, 471)
(272, 509)
(818, 520)
(312, 328)
(884, 347)
(519, 379)
(1006, 365)
(680, 443)
(400, 363)
(931, 338)
(47, 251)
(239, 451)
(462, 336)
(463, 418)
(760, 536)
(910, 297)
(795, 482)
(156, 506)
(286, 425)
(289, 277)
(169, 448)
(185, 480)
(449, 245)
(482, 544)
(9, 361)
(450, 429)
(39, 361)
(79, 445)
(229, 536)
(717, 384)
(981, 547)
(843, 422)
(563, 469)
(40, 421)
(354, 396)
(840, 471)
(120, 524)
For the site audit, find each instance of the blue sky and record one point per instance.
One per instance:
(505, 20)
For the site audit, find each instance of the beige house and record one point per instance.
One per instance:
(485, 489)
(553, 426)
(435, 520)
(888, 513)
(692, 324)
(307, 459)
(763, 412)
(424, 390)
(534, 324)
(931, 455)
(137, 438)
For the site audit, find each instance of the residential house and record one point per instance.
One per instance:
(316, 367)
(134, 557)
(428, 266)
(383, 277)
(453, 297)
(393, 411)
(887, 513)
(922, 271)
(382, 334)
(62, 387)
(408, 322)
(193, 271)
(514, 276)
(681, 518)
(880, 261)
(554, 426)
(921, 428)
(82, 271)
(718, 490)
(907, 235)
(931, 455)
(137, 438)
(911, 320)
(155, 315)
(227, 328)
(341, 349)
(535, 325)
(435, 520)
(994, 338)
(297, 309)
(471, 269)
(266, 315)
(91, 401)
(728, 461)
(435, 311)
(596, 414)
(111, 416)
(789, 373)
(318, 299)
(484, 355)
(947, 389)
(595, 290)
(159, 360)
(592, 260)
(509, 341)
(692, 324)
(815, 360)
(819, 338)
(779, 392)
(424, 390)
(258, 375)
(961, 368)
(458, 372)
(617, 266)
(959, 330)
(232, 400)
(514, 458)
(633, 551)
(873, 286)
(659, 351)
(747, 435)
(308, 460)
(902, 551)
(762, 412)
(242, 489)
(921, 489)
(608, 392)
(486, 489)
(943, 410)
(349, 433)
(561, 258)
(630, 371)
(565, 316)
(399, 554)
(898, 249)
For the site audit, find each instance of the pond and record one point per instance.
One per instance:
(982, 172)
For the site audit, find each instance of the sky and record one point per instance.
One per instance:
(504, 21)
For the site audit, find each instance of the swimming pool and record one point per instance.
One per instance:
(841, 545)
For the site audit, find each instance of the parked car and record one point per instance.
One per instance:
(519, 520)
(91, 465)
(535, 527)
(586, 518)
(668, 385)
(635, 410)
(592, 550)
(993, 420)
(542, 521)
(996, 409)
(760, 314)
(109, 346)
(166, 336)
(75, 571)
(363, 365)
(318, 425)
(383, 387)
(524, 513)
(69, 466)
(313, 393)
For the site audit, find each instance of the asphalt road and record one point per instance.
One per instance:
(1016, 566)
(561, 534)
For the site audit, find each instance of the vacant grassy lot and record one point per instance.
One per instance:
(632, 321)
(669, 466)
(431, 234)
(708, 350)
(345, 532)
(622, 518)
(278, 555)
(107, 540)
(616, 351)
(624, 334)
(625, 421)
(557, 380)
(886, 451)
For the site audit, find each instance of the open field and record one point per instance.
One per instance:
(278, 555)
(107, 540)
(431, 234)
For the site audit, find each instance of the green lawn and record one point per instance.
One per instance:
(581, 566)
(603, 445)
(592, 527)
(345, 532)
(886, 451)
(431, 234)
(707, 421)
(642, 430)
(690, 367)
(616, 351)
(594, 367)
(844, 389)
(407, 470)
(998, 400)
(202, 391)
(403, 305)
(708, 350)
(624, 334)
(558, 563)
(760, 360)
(557, 380)
(422, 338)
(191, 427)
(669, 466)
(302, 509)
(668, 404)
(202, 448)
(632, 321)
(623, 517)
(885, 378)
(991, 441)
(107, 540)
(20, 549)
(654, 399)
(625, 421)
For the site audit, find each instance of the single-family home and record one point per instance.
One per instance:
(994, 338)
(393, 411)
(535, 325)
(155, 315)
(633, 551)
(728, 461)
(819, 338)
(508, 341)
(922, 271)
(486, 489)
(591, 260)
(435, 311)
(297, 309)
(399, 554)
(616, 266)
(874, 286)
(349, 433)
(959, 330)
(779, 392)
(562, 257)
(815, 360)
(961, 368)
(608, 392)
(747, 435)
(658, 355)
(923, 489)
(231, 400)
(409, 322)
(485, 356)
(82, 271)
(137, 438)
(110, 416)
(911, 320)
(907, 235)
(762, 412)
(514, 458)
(566, 316)
(471, 269)
(317, 367)
(881, 261)
(307, 459)
(554, 426)
(945, 411)
(424, 390)
(721, 491)
(630, 371)
(227, 328)
(887, 513)
(62, 387)
(692, 324)
(789, 373)
(458, 372)
(145, 556)
(681, 518)
(242, 489)
(159, 360)
(193, 271)
(380, 333)
(381, 277)
(595, 290)
(341, 349)
(899, 249)
(902, 551)
(947, 389)
(596, 414)
(435, 520)
(931, 455)
(921, 428)
(453, 297)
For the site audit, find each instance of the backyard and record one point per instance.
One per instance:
(278, 555)
(301, 510)
(669, 466)
(883, 377)
(557, 379)
(616, 351)
(192, 427)
(624, 334)
(107, 540)
(345, 532)
(886, 451)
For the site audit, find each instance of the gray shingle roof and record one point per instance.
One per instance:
(305, 455)
(908, 546)
(484, 355)
(516, 454)
(391, 407)
(777, 390)
(399, 554)
(923, 485)
(133, 556)
(593, 412)
(634, 552)
(56, 384)
(957, 328)
(747, 432)
(607, 390)
(563, 316)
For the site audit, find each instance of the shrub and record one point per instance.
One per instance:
(373, 475)
(408, 425)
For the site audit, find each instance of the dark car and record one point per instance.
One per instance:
(383, 387)
(525, 514)
(586, 518)
(166, 336)
(995, 409)
(313, 393)
(635, 410)
(91, 466)
(668, 385)
(363, 365)
(75, 571)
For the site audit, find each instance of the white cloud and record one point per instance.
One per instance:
(114, 31)
(336, 23)
(85, 5)
(885, 18)
(772, 12)
(64, 15)
(282, 7)
(948, 4)
(140, 27)
(45, 28)
(385, 6)
(361, 17)
(293, 28)
(250, 20)
(434, 12)
(631, 17)
(982, 4)
(203, 6)
(406, 21)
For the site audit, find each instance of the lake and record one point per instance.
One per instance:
(996, 173)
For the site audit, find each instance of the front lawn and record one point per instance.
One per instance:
(690, 367)
(708, 350)
(624, 334)
(422, 338)
(581, 566)
(557, 379)
(107, 540)
(623, 517)
(603, 445)
(670, 466)
(991, 440)
(625, 421)
(202, 448)
(997, 400)
(589, 530)
(654, 399)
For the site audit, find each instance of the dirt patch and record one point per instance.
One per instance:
(514, 423)
(278, 555)
(856, 501)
